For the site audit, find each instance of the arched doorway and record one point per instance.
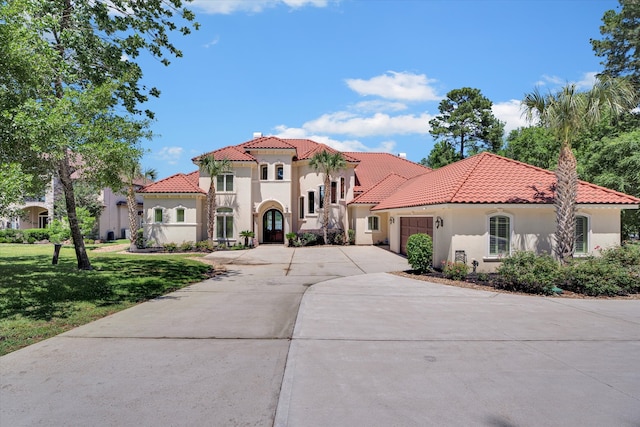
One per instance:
(272, 227)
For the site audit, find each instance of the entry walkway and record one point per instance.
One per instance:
(322, 336)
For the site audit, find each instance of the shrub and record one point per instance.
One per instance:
(455, 270)
(624, 256)
(309, 239)
(352, 236)
(37, 234)
(420, 252)
(204, 246)
(186, 246)
(525, 271)
(170, 247)
(595, 276)
(140, 238)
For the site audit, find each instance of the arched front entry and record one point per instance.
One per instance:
(273, 226)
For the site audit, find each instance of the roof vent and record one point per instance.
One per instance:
(402, 155)
(257, 135)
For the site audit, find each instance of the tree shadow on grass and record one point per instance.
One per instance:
(35, 289)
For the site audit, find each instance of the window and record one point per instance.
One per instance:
(279, 172)
(301, 208)
(157, 215)
(334, 192)
(224, 223)
(499, 235)
(264, 172)
(373, 223)
(224, 182)
(321, 197)
(180, 215)
(342, 188)
(582, 233)
(311, 202)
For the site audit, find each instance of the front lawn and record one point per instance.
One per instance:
(39, 300)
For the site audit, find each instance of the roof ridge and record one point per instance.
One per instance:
(378, 184)
(387, 154)
(470, 170)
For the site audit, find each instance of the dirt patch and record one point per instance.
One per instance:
(481, 287)
(112, 248)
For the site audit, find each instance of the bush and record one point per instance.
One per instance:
(310, 239)
(420, 252)
(59, 231)
(594, 276)
(455, 270)
(186, 246)
(204, 246)
(352, 236)
(140, 238)
(527, 272)
(170, 247)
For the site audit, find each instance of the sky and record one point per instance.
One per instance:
(358, 75)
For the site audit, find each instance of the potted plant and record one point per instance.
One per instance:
(291, 237)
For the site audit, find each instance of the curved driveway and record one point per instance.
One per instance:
(261, 346)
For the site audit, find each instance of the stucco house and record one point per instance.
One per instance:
(478, 209)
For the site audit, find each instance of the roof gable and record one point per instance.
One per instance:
(489, 178)
(381, 190)
(374, 167)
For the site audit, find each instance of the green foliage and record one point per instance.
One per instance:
(140, 243)
(247, 234)
(204, 246)
(352, 236)
(466, 122)
(59, 231)
(533, 145)
(455, 270)
(327, 163)
(527, 272)
(187, 246)
(12, 181)
(442, 154)
(420, 252)
(87, 222)
(309, 239)
(170, 247)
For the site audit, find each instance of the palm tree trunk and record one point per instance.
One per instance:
(132, 207)
(211, 213)
(325, 213)
(565, 203)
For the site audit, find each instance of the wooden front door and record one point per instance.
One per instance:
(272, 227)
(412, 225)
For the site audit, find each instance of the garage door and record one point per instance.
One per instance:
(412, 225)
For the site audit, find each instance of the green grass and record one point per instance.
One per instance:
(39, 300)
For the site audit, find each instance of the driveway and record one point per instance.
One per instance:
(323, 336)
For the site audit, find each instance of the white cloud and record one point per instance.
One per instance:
(510, 112)
(378, 106)
(586, 81)
(124, 57)
(171, 155)
(213, 42)
(346, 123)
(340, 145)
(402, 86)
(253, 6)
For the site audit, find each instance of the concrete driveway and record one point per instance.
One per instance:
(262, 346)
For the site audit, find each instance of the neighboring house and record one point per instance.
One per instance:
(478, 209)
(37, 212)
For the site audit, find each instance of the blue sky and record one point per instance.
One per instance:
(359, 75)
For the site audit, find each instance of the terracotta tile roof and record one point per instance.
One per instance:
(233, 153)
(269, 142)
(178, 183)
(381, 190)
(489, 178)
(307, 148)
(374, 167)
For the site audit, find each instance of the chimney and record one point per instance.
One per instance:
(257, 135)
(402, 155)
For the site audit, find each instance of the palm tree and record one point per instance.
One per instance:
(327, 163)
(132, 175)
(566, 113)
(213, 168)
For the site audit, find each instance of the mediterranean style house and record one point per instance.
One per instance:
(477, 210)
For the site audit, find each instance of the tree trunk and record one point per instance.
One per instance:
(70, 200)
(132, 207)
(565, 203)
(211, 212)
(325, 202)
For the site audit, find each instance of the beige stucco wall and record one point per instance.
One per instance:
(466, 228)
(114, 217)
(170, 231)
(359, 215)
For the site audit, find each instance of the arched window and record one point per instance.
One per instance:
(499, 235)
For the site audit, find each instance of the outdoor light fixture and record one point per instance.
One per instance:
(392, 220)
(439, 222)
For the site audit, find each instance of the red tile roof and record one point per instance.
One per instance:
(381, 190)
(489, 178)
(374, 167)
(178, 183)
(233, 153)
(269, 142)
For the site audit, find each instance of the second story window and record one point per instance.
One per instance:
(342, 188)
(180, 215)
(264, 172)
(311, 202)
(334, 192)
(321, 197)
(279, 172)
(224, 183)
(157, 215)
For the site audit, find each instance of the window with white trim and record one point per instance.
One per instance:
(180, 215)
(157, 215)
(279, 172)
(582, 235)
(342, 188)
(301, 208)
(499, 235)
(264, 172)
(373, 223)
(224, 183)
(334, 192)
(321, 196)
(224, 223)
(311, 202)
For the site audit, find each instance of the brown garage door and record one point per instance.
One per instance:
(412, 225)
